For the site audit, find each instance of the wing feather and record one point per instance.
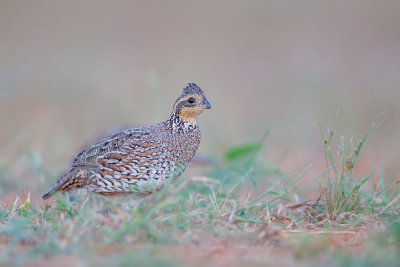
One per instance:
(114, 147)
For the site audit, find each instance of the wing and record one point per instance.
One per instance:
(115, 143)
(141, 143)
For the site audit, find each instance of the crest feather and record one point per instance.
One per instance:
(192, 88)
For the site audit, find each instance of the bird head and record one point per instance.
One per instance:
(191, 103)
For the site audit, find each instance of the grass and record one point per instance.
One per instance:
(219, 206)
(340, 191)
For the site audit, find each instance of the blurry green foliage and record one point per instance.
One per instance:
(243, 152)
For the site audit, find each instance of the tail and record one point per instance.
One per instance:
(49, 193)
(58, 186)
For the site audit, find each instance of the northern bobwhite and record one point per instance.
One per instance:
(140, 160)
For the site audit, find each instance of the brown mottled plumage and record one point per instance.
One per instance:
(140, 160)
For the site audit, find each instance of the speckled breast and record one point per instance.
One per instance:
(145, 164)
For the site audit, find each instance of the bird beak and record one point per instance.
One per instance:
(207, 104)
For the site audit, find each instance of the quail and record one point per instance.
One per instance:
(140, 160)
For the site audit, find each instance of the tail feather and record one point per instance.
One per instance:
(70, 174)
(49, 193)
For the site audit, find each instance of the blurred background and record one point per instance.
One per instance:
(71, 70)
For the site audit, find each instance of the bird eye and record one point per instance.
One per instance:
(191, 100)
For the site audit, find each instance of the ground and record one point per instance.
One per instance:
(230, 216)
